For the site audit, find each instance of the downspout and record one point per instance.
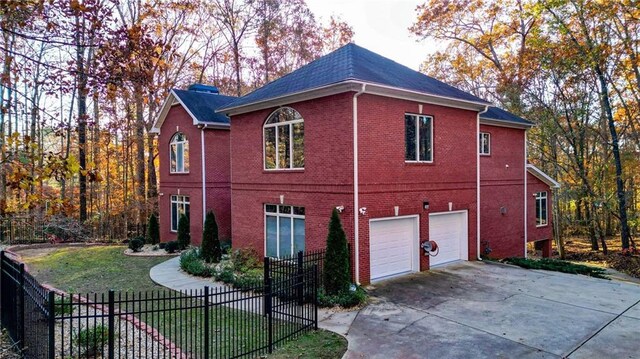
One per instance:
(204, 177)
(356, 204)
(486, 108)
(526, 234)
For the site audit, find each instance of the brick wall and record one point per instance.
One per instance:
(217, 176)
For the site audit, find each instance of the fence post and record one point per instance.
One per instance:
(315, 296)
(112, 328)
(51, 318)
(267, 303)
(206, 321)
(21, 309)
(300, 271)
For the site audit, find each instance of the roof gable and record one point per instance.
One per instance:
(201, 106)
(498, 116)
(353, 63)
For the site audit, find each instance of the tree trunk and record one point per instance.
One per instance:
(140, 160)
(81, 83)
(590, 217)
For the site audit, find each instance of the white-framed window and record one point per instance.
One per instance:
(284, 230)
(418, 132)
(179, 153)
(541, 209)
(179, 206)
(283, 136)
(485, 143)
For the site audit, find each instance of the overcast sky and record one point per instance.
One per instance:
(381, 26)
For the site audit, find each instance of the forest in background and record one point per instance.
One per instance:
(82, 82)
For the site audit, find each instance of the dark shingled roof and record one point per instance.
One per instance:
(498, 114)
(203, 105)
(352, 62)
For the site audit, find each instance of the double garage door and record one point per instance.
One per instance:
(395, 243)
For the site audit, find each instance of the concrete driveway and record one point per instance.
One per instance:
(484, 310)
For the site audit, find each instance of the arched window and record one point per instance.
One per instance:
(179, 153)
(284, 140)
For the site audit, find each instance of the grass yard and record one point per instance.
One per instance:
(81, 269)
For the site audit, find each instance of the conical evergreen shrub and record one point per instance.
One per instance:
(337, 275)
(153, 230)
(184, 236)
(211, 251)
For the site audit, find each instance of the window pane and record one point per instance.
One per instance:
(270, 148)
(174, 216)
(298, 145)
(185, 157)
(298, 235)
(410, 137)
(186, 209)
(298, 210)
(424, 126)
(285, 237)
(543, 205)
(180, 158)
(285, 209)
(272, 249)
(283, 147)
(271, 208)
(172, 157)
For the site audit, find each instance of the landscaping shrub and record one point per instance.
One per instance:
(225, 246)
(191, 263)
(249, 279)
(245, 259)
(345, 299)
(161, 245)
(62, 306)
(337, 275)
(225, 274)
(92, 340)
(136, 244)
(557, 266)
(153, 230)
(171, 247)
(184, 236)
(211, 251)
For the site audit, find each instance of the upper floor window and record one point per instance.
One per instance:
(541, 209)
(284, 140)
(418, 132)
(485, 139)
(179, 153)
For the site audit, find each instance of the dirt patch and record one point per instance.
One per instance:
(579, 250)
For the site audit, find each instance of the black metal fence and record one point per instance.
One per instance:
(22, 230)
(208, 323)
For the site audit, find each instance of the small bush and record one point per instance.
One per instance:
(557, 266)
(153, 230)
(245, 259)
(171, 247)
(225, 274)
(62, 306)
(92, 340)
(184, 236)
(346, 299)
(225, 246)
(161, 245)
(211, 251)
(191, 263)
(248, 280)
(136, 244)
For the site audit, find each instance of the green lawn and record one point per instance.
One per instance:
(100, 268)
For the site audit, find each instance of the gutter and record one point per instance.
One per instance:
(526, 231)
(486, 108)
(203, 170)
(356, 204)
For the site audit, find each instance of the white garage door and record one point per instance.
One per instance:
(393, 246)
(449, 230)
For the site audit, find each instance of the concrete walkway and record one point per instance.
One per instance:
(169, 274)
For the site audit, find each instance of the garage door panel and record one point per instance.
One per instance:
(449, 230)
(392, 246)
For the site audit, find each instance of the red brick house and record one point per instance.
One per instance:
(404, 157)
(195, 168)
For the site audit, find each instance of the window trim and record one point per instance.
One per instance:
(488, 144)
(432, 118)
(539, 197)
(276, 125)
(278, 214)
(172, 142)
(178, 203)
